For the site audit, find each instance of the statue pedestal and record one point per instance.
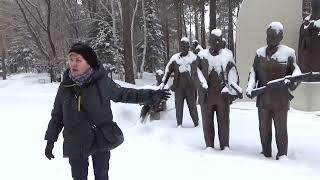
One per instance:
(307, 97)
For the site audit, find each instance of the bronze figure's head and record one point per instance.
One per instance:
(274, 34)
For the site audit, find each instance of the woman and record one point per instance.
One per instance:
(84, 97)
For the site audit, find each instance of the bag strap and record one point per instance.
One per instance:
(92, 124)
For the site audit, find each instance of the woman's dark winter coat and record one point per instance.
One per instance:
(72, 102)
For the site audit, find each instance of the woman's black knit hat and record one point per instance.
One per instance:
(87, 53)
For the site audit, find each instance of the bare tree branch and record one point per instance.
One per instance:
(120, 9)
(105, 8)
(32, 32)
(71, 16)
(53, 48)
(96, 14)
(37, 9)
(31, 4)
(41, 24)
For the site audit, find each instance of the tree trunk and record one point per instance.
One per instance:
(25, 65)
(3, 64)
(167, 36)
(230, 27)
(120, 8)
(213, 15)
(114, 24)
(144, 39)
(134, 63)
(203, 31)
(52, 46)
(179, 20)
(94, 16)
(165, 26)
(190, 23)
(126, 23)
(114, 35)
(184, 20)
(196, 23)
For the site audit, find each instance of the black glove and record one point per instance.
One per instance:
(312, 29)
(196, 51)
(225, 94)
(249, 95)
(292, 86)
(160, 95)
(48, 150)
(228, 97)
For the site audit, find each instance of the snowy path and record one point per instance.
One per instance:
(156, 150)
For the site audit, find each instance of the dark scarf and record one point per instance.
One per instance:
(81, 79)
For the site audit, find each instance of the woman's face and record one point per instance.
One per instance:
(78, 65)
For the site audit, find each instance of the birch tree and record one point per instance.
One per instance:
(144, 39)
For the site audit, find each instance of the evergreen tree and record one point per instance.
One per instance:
(155, 54)
(23, 59)
(108, 48)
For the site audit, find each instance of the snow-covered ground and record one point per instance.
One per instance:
(156, 150)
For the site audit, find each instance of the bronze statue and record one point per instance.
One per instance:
(224, 43)
(151, 109)
(271, 63)
(196, 47)
(183, 85)
(309, 40)
(217, 71)
(159, 76)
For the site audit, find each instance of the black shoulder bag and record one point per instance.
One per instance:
(107, 135)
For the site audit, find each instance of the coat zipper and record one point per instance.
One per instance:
(78, 97)
(79, 103)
